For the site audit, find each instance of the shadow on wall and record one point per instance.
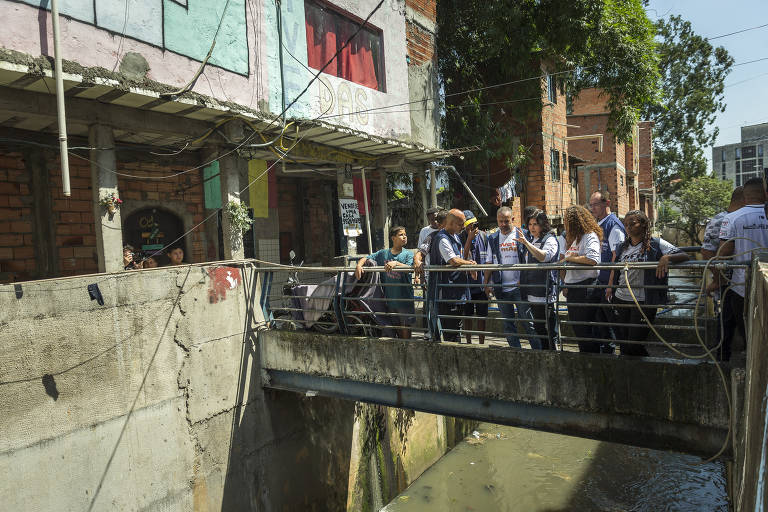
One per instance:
(287, 451)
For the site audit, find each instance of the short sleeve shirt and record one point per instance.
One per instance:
(446, 250)
(588, 246)
(396, 292)
(748, 222)
(712, 232)
(633, 253)
(424, 233)
(510, 279)
(616, 237)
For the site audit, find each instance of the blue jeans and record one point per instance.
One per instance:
(523, 314)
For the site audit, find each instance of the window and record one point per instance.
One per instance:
(621, 180)
(760, 150)
(738, 180)
(551, 89)
(722, 155)
(738, 167)
(738, 155)
(724, 175)
(554, 164)
(748, 152)
(361, 61)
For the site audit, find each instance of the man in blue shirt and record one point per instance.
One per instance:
(614, 235)
(445, 288)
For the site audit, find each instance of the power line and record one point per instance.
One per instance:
(750, 62)
(738, 32)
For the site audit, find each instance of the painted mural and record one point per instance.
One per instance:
(186, 27)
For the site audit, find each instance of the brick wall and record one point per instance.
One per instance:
(645, 154)
(590, 101)
(420, 40)
(17, 257)
(75, 236)
(185, 191)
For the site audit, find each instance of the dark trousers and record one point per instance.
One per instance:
(582, 314)
(453, 309)
(632, 315)
(602, 312)
(733, 311)
(545, 324)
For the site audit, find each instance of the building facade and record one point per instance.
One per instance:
(623, 172)
(743, 160)
(175, 108)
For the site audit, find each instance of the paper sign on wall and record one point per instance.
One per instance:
(350, 217)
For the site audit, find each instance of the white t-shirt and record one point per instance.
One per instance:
(510, 279)
(636, 276)
(616, 237)
(588, 246)
(561, 243)
(748, 222)
(446, 250)
(550, 248)
(425, 231)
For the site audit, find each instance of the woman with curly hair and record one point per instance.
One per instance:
(583, 239)
(640, 246)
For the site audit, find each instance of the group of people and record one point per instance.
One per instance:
(457, 300)
(134, 261)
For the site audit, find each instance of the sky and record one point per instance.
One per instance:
(746, 91)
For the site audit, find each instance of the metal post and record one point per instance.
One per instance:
(367, 213)
(432, 186)
(60, 100)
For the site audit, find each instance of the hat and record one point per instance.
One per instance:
(470, 218)
(434, 210)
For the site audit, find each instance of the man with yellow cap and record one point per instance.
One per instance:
(475, 243)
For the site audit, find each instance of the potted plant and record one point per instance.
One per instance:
(111, 203)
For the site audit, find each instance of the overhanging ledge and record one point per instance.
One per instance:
(660, 404)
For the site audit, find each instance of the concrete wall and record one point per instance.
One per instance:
(166, 40)
(749, 478)
(153, 401)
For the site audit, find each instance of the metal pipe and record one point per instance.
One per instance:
(433, 185)
(461, 180)
(60, 100)
(367, 212)
(278, 4)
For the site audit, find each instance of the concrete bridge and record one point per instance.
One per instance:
(654, 403)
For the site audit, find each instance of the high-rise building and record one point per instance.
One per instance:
(743, 160)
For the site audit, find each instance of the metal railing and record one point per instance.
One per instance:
(570, 315)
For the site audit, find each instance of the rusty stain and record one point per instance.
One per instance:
(222, 280)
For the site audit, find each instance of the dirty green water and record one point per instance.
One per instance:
(513, 469)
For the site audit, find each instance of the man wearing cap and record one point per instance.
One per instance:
(433, 225)
(475, 243)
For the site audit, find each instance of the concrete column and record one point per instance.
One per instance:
(432, 186)
(109, 234)
(383, 213)
(230, 191)
(423, 195)
(345, 191)
(44, 232)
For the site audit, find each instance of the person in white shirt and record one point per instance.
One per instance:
(433, 224)
(717, 286)
(741, 232)
(640, 247)
(583, 241)
(505, 285)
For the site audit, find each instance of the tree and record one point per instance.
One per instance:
(585, 43)
(696, 201)
(692, 72)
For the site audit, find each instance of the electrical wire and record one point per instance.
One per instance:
(737, 32)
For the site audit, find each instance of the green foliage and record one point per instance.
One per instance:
(482, 43)
(697, 200)
(691, 81)
(238, 216)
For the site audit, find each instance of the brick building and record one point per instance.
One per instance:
(546, 180)
(622, 171)
(177, 151)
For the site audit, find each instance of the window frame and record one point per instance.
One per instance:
(348, 16)
(554, 164)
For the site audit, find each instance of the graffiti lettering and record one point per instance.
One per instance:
(348, 101)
